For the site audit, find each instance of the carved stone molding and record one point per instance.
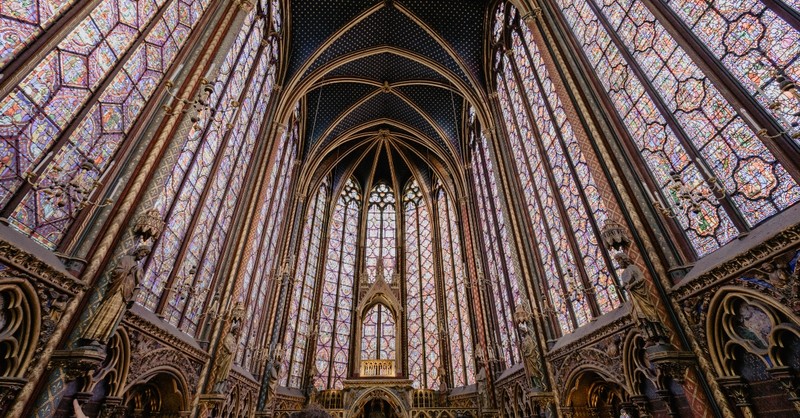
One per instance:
(78, 362)
(29, 263)
(780, 242)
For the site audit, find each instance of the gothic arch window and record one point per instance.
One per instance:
(65, 121)
(421, 306)
(381, 232)
(682, 124)
(501, 259)
(378, 337)
(456, 293)
(199, 196)
(261, 267)
(299, 319)
(333, 344)
(562, 198)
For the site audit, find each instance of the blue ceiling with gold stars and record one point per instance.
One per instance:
(400, 64)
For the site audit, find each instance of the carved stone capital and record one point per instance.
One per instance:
(78, 362)
(9, 389)
(670, 363)
(736, 388)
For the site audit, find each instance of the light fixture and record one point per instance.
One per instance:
(687, 198)
(200, 104)
(73, 186)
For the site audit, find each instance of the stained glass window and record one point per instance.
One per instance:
(421, 312)
(752, 41)
(299, 319)
(36, 113)
(679, 120)
(378, 334)
(262, 264)
(455, 293)
(333, 343)
(21, 22)
(500, 259)
(562, 197)
(207, 187)
(381, 232)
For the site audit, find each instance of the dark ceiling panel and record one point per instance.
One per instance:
(336, 98)
(387, 67)
(461, 24)
(440, 104)
(388, 106)
(388, 26)
(313, 22)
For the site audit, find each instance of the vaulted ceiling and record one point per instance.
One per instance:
(367, 68)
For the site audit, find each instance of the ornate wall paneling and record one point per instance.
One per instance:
(34, 296)
(744, 312)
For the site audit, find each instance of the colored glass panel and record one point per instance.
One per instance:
(456, 294)
(45, 103)
(421, 311)
(333, 342)
(753, 43)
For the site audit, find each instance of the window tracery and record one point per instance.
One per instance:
(209, 174)
(381, 232)
(424, 357)
(333, 344)
(562, 198)
(501, 259)
(299, 325)
(680, 122)
(111, 62)
(456, 293)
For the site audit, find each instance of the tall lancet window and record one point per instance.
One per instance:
(562, 198)
(457, 294)
(687, 126)
(333, 343)
(197, 196)
(298, 327)
(500, 256)
(421, 316)
(65, 121)
(381, 232)
(378, 334)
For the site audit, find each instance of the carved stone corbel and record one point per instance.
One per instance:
(789, 382)
(80, 362)
(737, 390)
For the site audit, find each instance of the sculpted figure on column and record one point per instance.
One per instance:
(123, 286)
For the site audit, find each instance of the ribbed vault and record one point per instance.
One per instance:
(404, 71)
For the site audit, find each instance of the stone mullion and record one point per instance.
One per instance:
(304, 278)
(203, 194)
(786, 152)
(277, 321)
(493, 312)
(497, 207)
(444, 334)
(514, 203)
(548, 236)
(561, 143)
(602, 123)
(184, 248)
(528, 258)
(16, 198)
(251, 164)
(547, 167)
(260, 179)
(319, 282)
(273, 274)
